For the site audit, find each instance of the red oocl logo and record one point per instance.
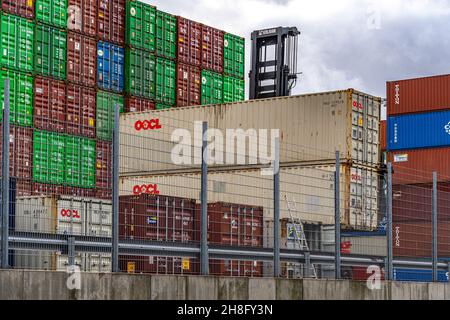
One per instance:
(152, 124)
(70, 214)
(146, 189)
(357, 105)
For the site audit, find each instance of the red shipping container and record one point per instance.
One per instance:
(383, 135)
(189, 42)
(414, 239)
(159, 265)
(81, 107)
(414, 202)
(104, 169)
(134, 104)
(49, 105)
(80, 192)
(234, 268)
(418, 95)
(157, 218)
(20, 152)
(212, 49)
(81, 59)
(40, 189)
(111, 21)
(362, 274)
(417, 166)
(188, 85)
(82, 16)
(23, 188)
(23, 8)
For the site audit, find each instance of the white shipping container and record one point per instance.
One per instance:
(312, 188)
(64, 215)
(311, 128)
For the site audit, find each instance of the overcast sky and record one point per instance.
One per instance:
(344, 43)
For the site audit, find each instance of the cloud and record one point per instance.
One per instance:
(346, 43)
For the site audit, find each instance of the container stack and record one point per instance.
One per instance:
(418, 135)
(71, 61)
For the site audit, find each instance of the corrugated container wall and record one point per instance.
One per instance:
(80, 111)
(188, 85)
(166, 35)
(110, 67)
(416, 131)
(81, 59)
(418, 95)
(104, 169)
(106, 103)
(166, 81)
(417, 166)
(111, 21)
(212, 46)
(140, 72)
(52, 12)
(311, 127)
(82, 16)
(140, 25)
(48, 157)
(50, 51)
(23, 8)
(189, 42)
(20, 152)
(212, 88)
(234, 56)
(383, 135)
(233, 89)
(49, 105)
(134, 104)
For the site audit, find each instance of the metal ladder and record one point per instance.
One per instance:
(299, 229)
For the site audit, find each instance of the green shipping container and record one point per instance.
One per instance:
(166, 80)
(17, 36)
(80, 162)
(21, 97)
(140, 73)
(53, 12)
(50, 51)
(141, 25)
(233, 89)
(105, 113)
(160, 106)
(234, 56)
(48, 157)
(212, 88)
(166, 35)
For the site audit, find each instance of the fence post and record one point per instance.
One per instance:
(337, 217)
(71, 250)
(204, 255)
(435, 228)
(5, 180)
(276, 206)
(390, 265)
(115, 193)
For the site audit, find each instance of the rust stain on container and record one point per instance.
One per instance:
(188, 85)
(81, 107)
(81, 59)
(383, 135)
(189, 42)
(49, 105)
(418, 95)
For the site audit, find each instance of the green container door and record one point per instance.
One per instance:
(17, 36)
(48, 157)
(88, 163)
(50, 52)
(141, 25)
(233, 89)
(73, 163)
(52, 12)
(166, 80)
(21, 97)
(160, 106)
(166, 35)
(140, 73)
(234, 56)
(212, 88)
(105, 114)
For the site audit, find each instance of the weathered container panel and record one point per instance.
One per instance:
(189, 42)
(49, 105)
(81, 59)
(188, 85)
(111, 21)
(82, 16)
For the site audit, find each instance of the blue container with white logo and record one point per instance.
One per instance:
(110, 67)
(418, 275)
(419, 131)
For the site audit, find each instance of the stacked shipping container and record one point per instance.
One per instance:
(418, 144)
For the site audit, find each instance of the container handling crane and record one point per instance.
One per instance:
(274, 62)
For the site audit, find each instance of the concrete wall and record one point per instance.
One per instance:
(46, 285)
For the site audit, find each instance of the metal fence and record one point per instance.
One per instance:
(324, 218)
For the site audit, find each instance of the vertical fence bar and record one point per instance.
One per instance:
(390, 265)
(204, 255)
(5, 181)
(71, 250)
(435, 228)
(276, 207)
(115, 193)
(337, 217)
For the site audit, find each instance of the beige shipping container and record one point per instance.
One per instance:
(64, 215)
(312, 189)
(311, 128)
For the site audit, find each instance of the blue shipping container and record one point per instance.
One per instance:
(418, 275)
(110, 67)
(417, 131)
